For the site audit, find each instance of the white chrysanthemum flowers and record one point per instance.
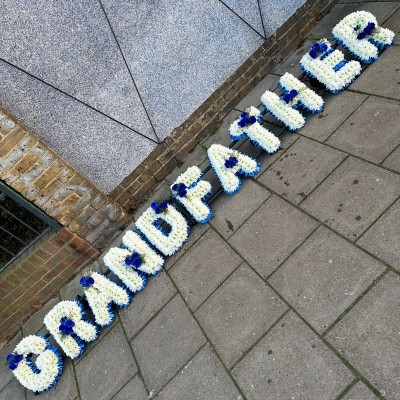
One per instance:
(361, 35)
(329, 66)
(45, 372)
(228, 163)
(65, 321)
(149, 223)
(249, 125)
(189, 190)
(101, 293)
(295, 95)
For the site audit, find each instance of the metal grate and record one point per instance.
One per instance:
(21, 225)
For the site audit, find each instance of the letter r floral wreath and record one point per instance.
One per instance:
(142, 251)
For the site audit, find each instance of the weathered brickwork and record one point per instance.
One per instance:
(139, 185)
(32, 169)
(40, 273)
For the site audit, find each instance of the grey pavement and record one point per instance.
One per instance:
(292, 290)
(120, 76)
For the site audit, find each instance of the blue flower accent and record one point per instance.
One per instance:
(317, 48)
(289, 96)
(231, 162)
(14, 360)
(159, 207)
(357, 27)
(67, 326)
(86, 281)
(246, 119)
(134, 261)
(180, 189)
(366, 31)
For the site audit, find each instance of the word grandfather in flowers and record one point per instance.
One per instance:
(142, 251)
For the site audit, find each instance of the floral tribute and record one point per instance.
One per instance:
(228, 164)
(149, 224)
(39, 376)
(101, 293)
(329, 66)
(248, 125)
(162, 230)
(361, 35)
(190, 191)
(295, 94)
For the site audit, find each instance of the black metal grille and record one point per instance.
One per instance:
(21, 225)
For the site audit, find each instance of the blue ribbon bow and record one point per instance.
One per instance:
(231, 162)
(86, 281)
(14, 360)
(289, 96)
(67, 326)
(317, 48)
(159, 207)
(180, 189)
(134, 261)
(246, 119)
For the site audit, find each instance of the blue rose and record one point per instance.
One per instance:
(231, 162)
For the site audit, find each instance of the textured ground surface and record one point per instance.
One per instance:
(292, 291)
(120, 76)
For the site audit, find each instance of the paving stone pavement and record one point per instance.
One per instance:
(292, 290)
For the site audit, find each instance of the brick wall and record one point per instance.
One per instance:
(29, 167)
(40, 273)
(139, 185)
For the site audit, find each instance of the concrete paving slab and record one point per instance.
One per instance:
(353, 197)
(239, 313)
(291, 362)
(360, 392)
(66, 389)
(159, 290)
(393, 23)
(270, 82)
(368, 336)
(383, 238)
(196, 233)
(291, 63)
(324, 27)
(167, 343)
(70, 46)
(274, 14)
(13, 391)
(134, 390)
(104, 371)
(204, 377)
(194, 48)
(324, 276)
(73, 288)
(221, 133)
(337, 109)
(199, 272)
(362, 133)
(383, 76)
(6, 375)
(381, 13)
(300, 169)
(271, 234)
(393, 161)
(234, 210)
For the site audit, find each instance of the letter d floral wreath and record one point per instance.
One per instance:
(142, 251)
